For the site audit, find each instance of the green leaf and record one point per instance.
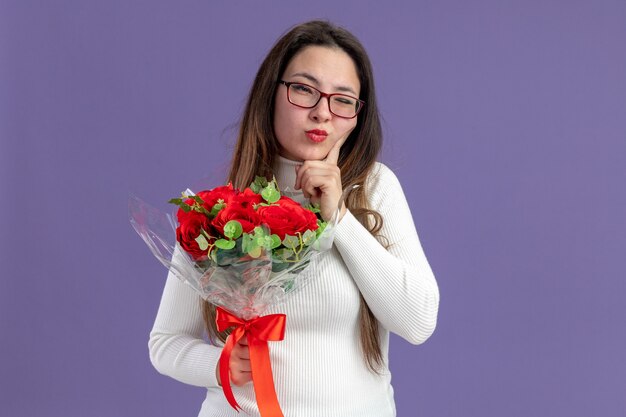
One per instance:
(265, 242)
(278, 266)
(233, 229)
(216, 208)
(275, 241)
(270, 193)
(203, 244)
(198, 199)
(176, 201)
(321, 226)
(283, 253)
(246, 241)
(315, 208)
(260, 181)
(225, 244)
(204, 211)
(288, 285)
(256, 252)
(185, 207)
(291, 242)
(259, 232)
(309, 237)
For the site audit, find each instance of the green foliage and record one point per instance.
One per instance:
(291, 242)
(176, 201)
(321, 225)
(203, 244)
(225, 244)
(258, 184)
(198, 199)
(275, 241)
(270, 193)
(309, 237)
(197, 204)
(180, 203)
(216, 208)
(233, 229)
(315, 208)
(283, 254)
(226, 256)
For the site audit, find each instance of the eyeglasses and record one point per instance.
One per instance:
(307, 97)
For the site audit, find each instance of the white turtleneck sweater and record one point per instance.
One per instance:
(319, 369)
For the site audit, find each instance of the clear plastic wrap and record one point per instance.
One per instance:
(244, 285)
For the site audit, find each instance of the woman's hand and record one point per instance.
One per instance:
(320, 181)
(239, 365)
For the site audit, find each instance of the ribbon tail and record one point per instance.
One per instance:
(225, 375)
(264, 389)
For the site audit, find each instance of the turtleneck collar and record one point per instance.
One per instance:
(285, 173)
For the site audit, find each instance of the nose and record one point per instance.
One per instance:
(321, 112)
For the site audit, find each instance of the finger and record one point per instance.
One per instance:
(301, 172)
(333, 155)
(242, 352)
(243, 341)
(297, 184)
(240, 378)
(318, 184)
(241, 366)
(327, 176)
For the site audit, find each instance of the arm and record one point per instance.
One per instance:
(397, 283)
(176, 345)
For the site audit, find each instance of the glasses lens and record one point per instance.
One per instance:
(303, 95)
(344, 106)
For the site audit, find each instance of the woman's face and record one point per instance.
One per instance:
(330, 70)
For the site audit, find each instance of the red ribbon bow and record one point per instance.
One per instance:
(259, 331)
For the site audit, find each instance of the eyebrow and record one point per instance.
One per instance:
(317, 83)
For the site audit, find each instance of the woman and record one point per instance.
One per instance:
(312, 121)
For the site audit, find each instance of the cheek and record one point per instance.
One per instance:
(283, 120)
(349, 127)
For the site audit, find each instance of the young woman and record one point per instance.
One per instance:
(311, 120)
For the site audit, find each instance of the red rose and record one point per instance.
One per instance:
(287, 218)
(190, 225)
(243, 213)
(187, 216)
(211, 197)
(247, 198)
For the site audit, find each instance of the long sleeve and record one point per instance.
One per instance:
(397, 283)
(176, 345)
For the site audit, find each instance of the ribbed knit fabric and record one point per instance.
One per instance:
(319, 369)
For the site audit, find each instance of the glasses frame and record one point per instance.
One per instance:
(322, 95)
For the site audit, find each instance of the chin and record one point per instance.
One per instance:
(306, 155)
(316, 155)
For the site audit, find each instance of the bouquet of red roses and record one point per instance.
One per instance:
(239, 249)
(248, 246)
(242, 250)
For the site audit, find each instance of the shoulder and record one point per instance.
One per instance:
(381, 181)
(380, 177)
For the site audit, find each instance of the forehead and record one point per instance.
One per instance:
(330, 68)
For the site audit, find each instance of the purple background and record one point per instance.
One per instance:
(505, 121)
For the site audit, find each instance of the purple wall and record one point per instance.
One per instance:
(505, 121)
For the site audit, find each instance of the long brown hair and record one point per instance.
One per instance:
(256, 147)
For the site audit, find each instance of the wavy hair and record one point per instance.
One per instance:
(257, 147)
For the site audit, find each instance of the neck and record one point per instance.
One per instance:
(285, 173)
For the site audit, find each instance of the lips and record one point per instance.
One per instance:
(317, 135)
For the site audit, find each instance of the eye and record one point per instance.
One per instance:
(346, 101)
(302, 89)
